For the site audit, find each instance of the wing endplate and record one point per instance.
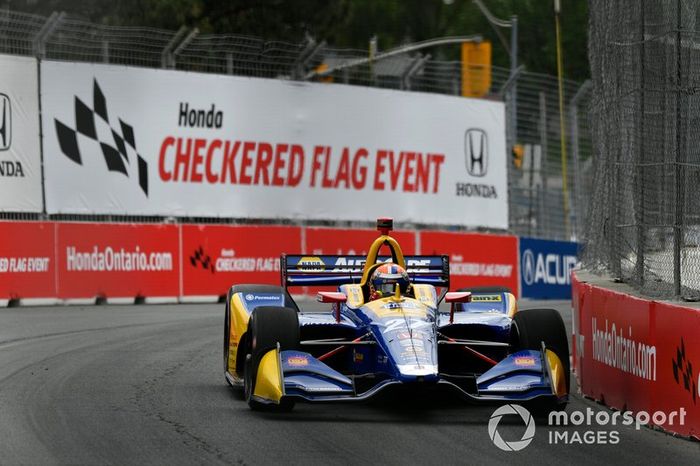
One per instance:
(268, 381)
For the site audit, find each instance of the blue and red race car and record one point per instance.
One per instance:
(482, 346)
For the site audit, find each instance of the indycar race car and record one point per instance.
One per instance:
(482, 346)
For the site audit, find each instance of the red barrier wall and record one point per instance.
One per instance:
(27, 265)
(218, 256)
(476, 259)
(637, 354)
(88, 260)
(117, 260)
(677, 335)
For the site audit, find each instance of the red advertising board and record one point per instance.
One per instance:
(218, 256)
(352, 241)
(579, 301)
(27, 265)
(476, 259)
(638, 354)
(89, 260)
(618, 322)
(678, 369)
(117, 260)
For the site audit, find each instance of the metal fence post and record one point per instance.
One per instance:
(45, 32)
(414, 68)
(310, 51)
(514, 89)
(372, 53)
(229, 63)
(576, 211)
(512, 124)
(679, 156)
(531, 189)
(639, 211)
(105, 51)
(541, 221)
(509, 91)
(166, 54)
(185, 42)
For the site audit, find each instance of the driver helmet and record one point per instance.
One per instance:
(385, 278)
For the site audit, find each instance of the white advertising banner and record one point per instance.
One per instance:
(136, 141)
(20, 156)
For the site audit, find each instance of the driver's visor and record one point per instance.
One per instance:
(387, 287)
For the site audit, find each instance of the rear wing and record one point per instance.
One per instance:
(308, 270)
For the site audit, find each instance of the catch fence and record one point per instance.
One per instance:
(644, 225)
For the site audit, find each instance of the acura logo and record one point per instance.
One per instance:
(476, 151)
(547, 268)
(5, 122)
(528, 267)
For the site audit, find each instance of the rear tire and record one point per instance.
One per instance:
(533, 326)
(268, 326)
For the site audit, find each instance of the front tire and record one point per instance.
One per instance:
(531, 327)
(269, 326)
(235, 368)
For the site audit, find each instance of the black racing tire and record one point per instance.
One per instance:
(247, 382)
(245, 289)
(227, 332)
(487, 289)
(268, 326)
(533, 326)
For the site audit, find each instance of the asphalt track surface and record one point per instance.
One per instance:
(144, 385)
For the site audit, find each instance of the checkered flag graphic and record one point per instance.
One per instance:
(683, 371)
(115, 152)
(202, 258)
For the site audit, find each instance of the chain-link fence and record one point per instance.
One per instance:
(537, 190)
(645, 215)
(537, 193)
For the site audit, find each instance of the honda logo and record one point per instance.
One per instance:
(5, 122)
(476, 151)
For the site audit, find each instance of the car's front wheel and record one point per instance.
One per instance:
(531, 327)
(268, 327)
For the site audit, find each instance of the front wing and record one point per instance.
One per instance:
(522, 376)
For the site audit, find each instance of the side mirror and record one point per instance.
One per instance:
(334, 297)
(458, 297)
(455, 297)
(331, 297)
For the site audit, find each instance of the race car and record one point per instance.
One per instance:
(482, 346)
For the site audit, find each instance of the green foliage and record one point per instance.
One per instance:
(351, 23)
